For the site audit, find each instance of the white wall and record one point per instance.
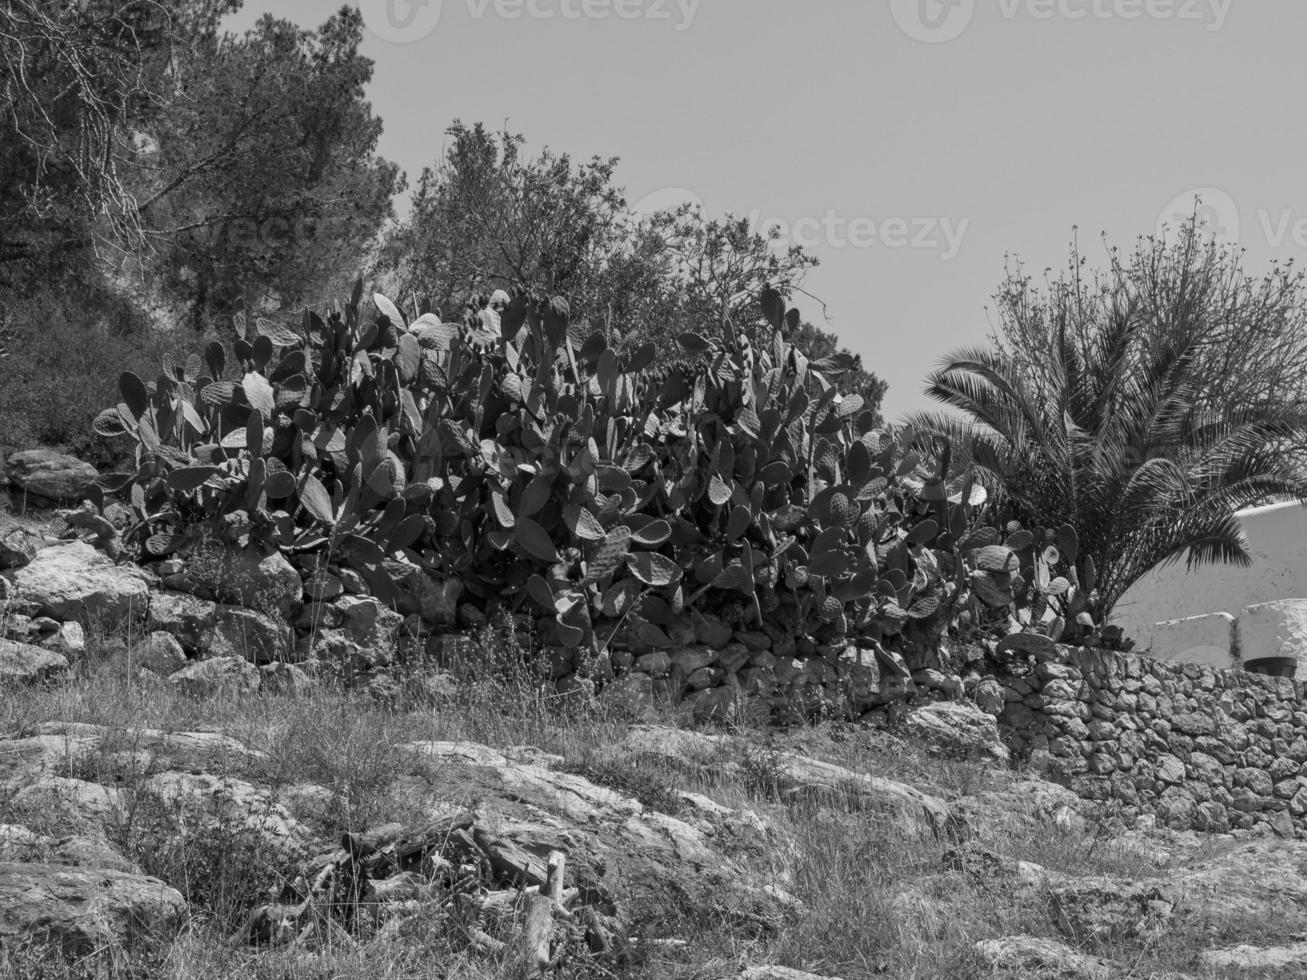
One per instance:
(1277, 540)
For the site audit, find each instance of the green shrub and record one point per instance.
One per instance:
(65, 352)
(605, 494)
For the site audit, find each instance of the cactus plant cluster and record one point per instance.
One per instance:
(597, 491)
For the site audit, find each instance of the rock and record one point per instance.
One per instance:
(656, 663)
(285, 679)
(631, 694)
(1256, 957)
(81, 911)
(435, 601)
(372, 626)
(69, 640)
(1170, 769)
(22, 663)
(691, 658)
(713, 702)
(57, 747)
(322, 586)
(776, 973)
(18, 543)
(352, 582)
(17, 843)
(75, 581)
(220, 676)
(232, 806)
(247, 577)
(606, 826)
(160, 653)
(988, 695)
(319, 616)
(184, 616)
(49, 474)
(336, 649)
(1103, 910)
(247, 633)
(957, 728)
(72, 805)
(1259, 880)
(796, 776)
(1037, 957)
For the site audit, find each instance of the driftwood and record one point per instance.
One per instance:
(538, 931)
(479, 881)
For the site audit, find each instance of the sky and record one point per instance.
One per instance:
(910, 145)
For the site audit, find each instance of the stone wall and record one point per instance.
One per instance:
(1196, 746)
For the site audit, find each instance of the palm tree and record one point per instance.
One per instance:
(1107, 433)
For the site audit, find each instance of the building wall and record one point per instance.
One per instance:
(1277, 539)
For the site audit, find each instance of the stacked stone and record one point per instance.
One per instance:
(230, 620)
(707, 669)
(1195, 746)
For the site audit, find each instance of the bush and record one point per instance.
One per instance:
(65, 353)
(614, 498)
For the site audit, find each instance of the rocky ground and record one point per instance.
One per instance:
(468, 825)
(238, 847)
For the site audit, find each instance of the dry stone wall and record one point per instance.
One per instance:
(1198, 747)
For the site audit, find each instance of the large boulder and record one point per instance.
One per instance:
(220, 676)
(241, 632)
(247, 577)
(186, 617)
(420, 594)
(80, 910)
(49, 475)
(160, 653)
(1037, 956)
(795, 776)
(372, 626)
(75, 581)
(19, 543)
(22, 663)
(956, 728)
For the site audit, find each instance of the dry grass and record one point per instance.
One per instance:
(874, 902)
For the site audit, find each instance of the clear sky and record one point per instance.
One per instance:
(912, 143)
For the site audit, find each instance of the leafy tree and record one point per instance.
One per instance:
(266, 178)
(1249, 334)
(72, 78)
(490, 216)
(1105, 426)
